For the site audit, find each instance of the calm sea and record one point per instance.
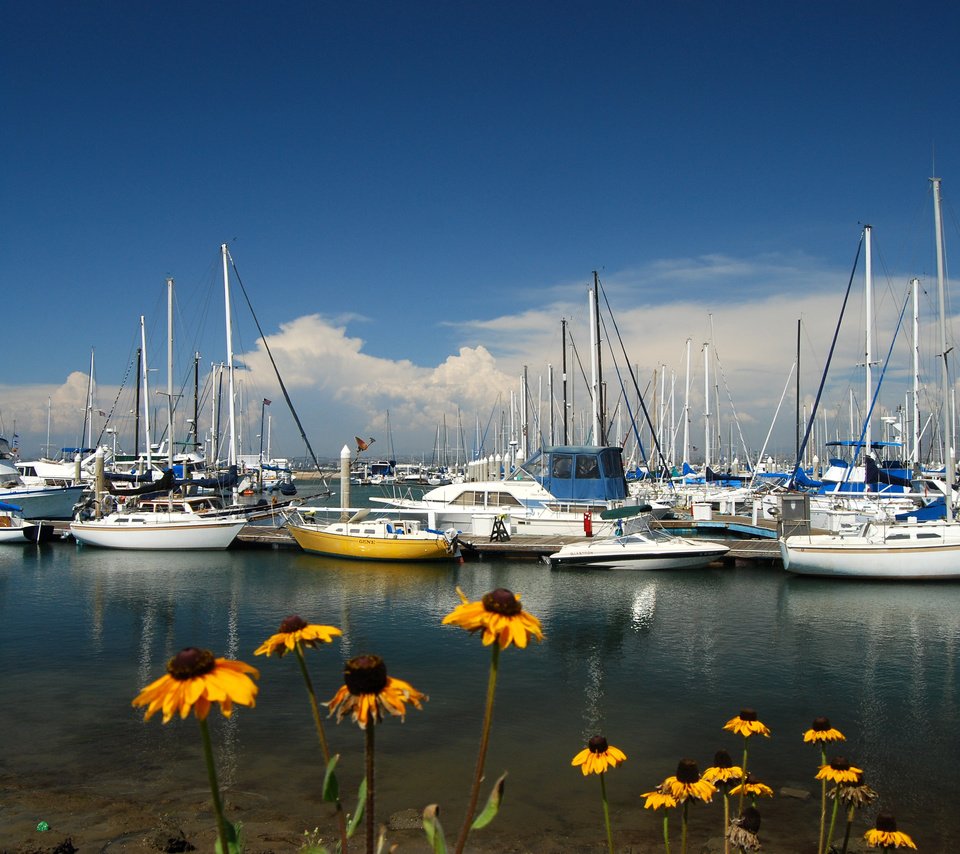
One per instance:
(657, 662)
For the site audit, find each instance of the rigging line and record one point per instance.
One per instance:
(113, 408)
(636, 386)
(823, 376)
(786, 385)
(283, 388)
(726, 388)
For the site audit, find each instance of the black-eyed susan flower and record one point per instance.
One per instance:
(752, 786)
(295, 630)
(886, 835)
(499, 615)
(658, 799)
(194, 681)
(747, 724)
(838, 771)
(821, 732)
(723, 771)
(367, 692)
(743, 830)
(597, 756)
(687, 784)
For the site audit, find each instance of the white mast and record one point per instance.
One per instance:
(594, 380)
(232, 458)
(868, 308)
(706, 404)
(170, 372)
(686, 411)
(90, 403)
(146, 392)
(948, 451)
(915, 454)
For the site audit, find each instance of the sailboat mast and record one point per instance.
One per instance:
(686, 410)
(706, 404)
(563, 377)
(948, 450)
(170, 372)
(136, 409)
(146, 391)
(868, 307)
(915, 453)
(89, 418)
(232, 458)
(594, 377)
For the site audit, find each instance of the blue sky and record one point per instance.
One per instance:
(415, 194)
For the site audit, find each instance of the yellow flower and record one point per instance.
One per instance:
(723, 770)
(194, 680)
(368, 692)
(839, 771)
(821, 732)
(886, 835)
(752, 786)
(689, 784)
(294, 630)
(746, 724)
(499, 615)
(658, 798)
(597, 756)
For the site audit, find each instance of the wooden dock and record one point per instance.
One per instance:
(754, 542)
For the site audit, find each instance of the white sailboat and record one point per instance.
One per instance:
(908, 549)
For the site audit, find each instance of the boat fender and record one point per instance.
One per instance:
(588, 524)
(106, 504)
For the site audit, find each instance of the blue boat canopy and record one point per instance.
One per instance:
(579, 472)
(11, 507)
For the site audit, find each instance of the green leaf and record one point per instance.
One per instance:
(493, 805)
(234, 839)
(361, 804)
(331, 788)
(433, 830)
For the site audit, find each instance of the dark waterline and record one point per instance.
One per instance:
(657, 662)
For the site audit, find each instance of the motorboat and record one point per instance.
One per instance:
(15, 529)
(363, 538)
(635, 544)
(161, 523)
(562, 490)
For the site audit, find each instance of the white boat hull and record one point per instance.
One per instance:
(917, 551)
(45, 502)
(623, 554)
(202, 534)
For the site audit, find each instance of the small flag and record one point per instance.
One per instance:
(266, 402)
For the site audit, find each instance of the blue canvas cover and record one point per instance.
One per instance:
(584, 473)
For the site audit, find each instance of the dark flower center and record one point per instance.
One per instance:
(886, 822)
(821, 724)
(502, 601)
(748, 715)
(293, 623)
(365, 674)
(598, 744)
(687, 771)
(190, 663)
(750, 820)
(721, 759)
(839, 763)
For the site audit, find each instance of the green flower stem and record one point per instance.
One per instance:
(683, 828)
(833, 820)
(482, 754)
(214, 787)
(743, 782)
(666, 831)
(321, 734)
(726, 821)
(606, 811)
(846, 834)
(823, 798)
(371, 823)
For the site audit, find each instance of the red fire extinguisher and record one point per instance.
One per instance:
(588, 524)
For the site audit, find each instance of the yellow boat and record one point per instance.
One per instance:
(370, 539)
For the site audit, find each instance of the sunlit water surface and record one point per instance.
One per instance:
(657, 662)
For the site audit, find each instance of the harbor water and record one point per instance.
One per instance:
(655, 661)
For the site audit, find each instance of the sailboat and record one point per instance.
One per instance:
(907, 549)
(166, 522)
